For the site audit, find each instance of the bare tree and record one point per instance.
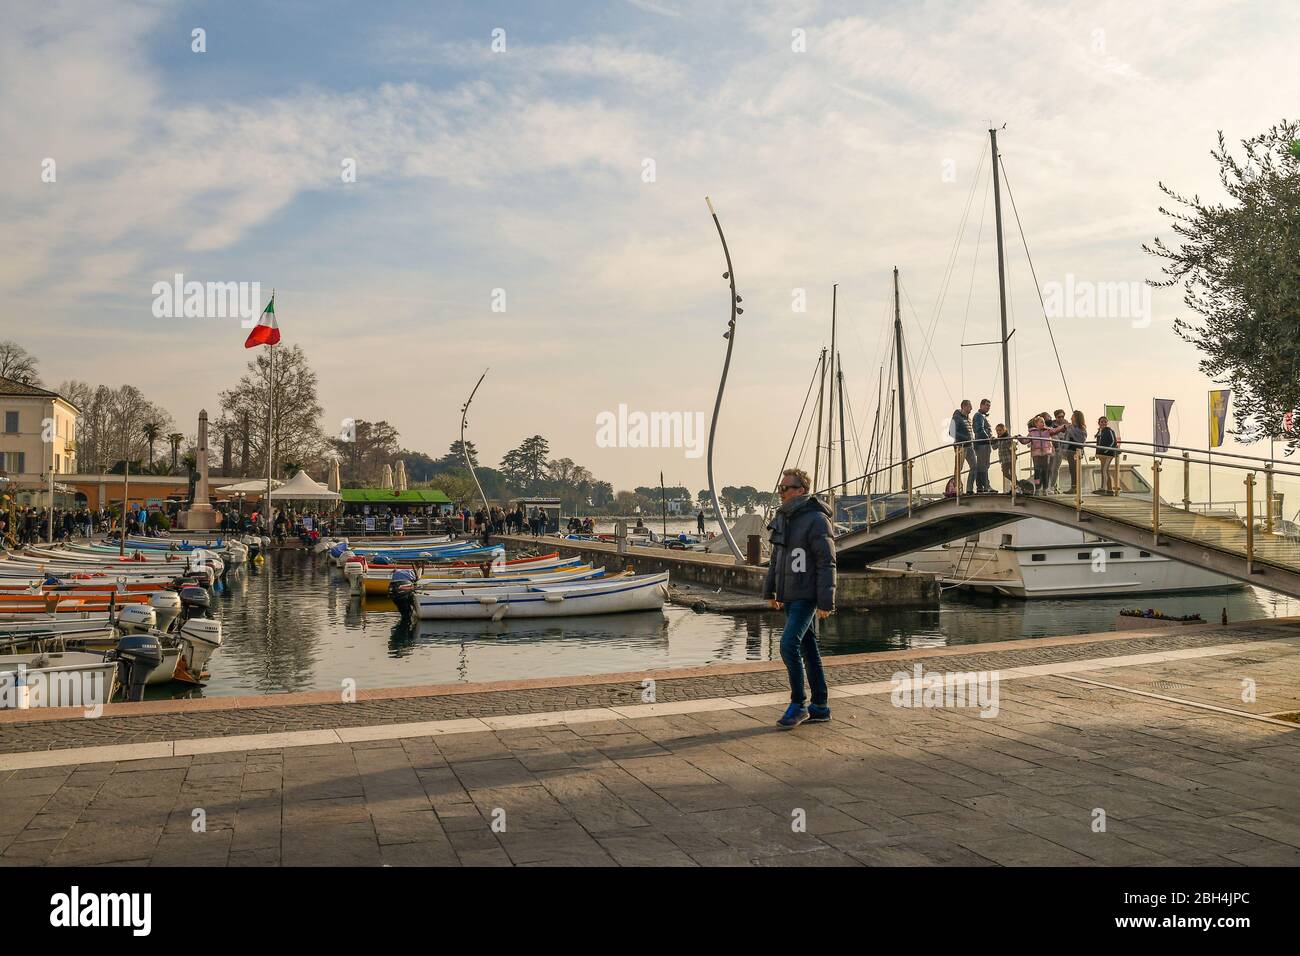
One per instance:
(298, 436)
(17, 364)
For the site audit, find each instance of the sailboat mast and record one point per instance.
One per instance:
(844, 461)
(830, 413)
(889, 430)
(1002, 283)
(817, 444)
(898, 360)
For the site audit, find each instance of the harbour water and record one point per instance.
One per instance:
(291, 625)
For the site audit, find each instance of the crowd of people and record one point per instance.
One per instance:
(1053, 440)
(514, 520)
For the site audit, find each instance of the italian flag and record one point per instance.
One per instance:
(266, 332)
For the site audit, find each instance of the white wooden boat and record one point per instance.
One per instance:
(59, 679)
(636, 592)
(583, 572)
(374, 580)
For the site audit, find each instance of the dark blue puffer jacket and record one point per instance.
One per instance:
(802, 567)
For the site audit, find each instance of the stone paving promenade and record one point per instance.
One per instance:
(1149, 729)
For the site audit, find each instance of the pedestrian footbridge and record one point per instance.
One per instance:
(901, 509)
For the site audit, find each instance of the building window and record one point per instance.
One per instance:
(1144, 554)
(11, 423)
(1117, 554)
(1084, 555)
(14, 462)
(1038, 557)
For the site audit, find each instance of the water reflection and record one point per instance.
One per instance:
(292, 625)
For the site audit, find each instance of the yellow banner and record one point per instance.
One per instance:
(1218, 415)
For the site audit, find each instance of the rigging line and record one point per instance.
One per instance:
(916, 414)
(798, 421)
(885, 328)
(857, 441)
(875, 425)
(937, 371)
(970, 289)
(880, 429)
(909, 366)
(951, 267)
(803, 448)
(1051, 335)
(951, 264)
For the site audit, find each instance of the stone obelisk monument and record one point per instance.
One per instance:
(201, 517)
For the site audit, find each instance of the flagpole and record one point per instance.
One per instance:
(1209, 452)
(270, 430)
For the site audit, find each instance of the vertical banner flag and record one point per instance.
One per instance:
(1115, 413)
(1218, 414)
(1160, 429)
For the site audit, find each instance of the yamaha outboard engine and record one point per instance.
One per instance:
(401, 588)
(195, 602)
(137, 656)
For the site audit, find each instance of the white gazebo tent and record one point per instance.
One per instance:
(301, 487)
(243, 489)
(254, 486)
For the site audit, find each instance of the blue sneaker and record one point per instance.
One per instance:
(818, 714)
(794, 715)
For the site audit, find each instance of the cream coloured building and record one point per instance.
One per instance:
(38, 433)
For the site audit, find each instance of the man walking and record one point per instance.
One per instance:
(801, 579)
(983, 447)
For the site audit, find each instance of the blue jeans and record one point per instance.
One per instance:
(799, 648)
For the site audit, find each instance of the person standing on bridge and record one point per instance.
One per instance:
(1076, 436)
(983, 447)
(1107, 452)
(801, 580)
(1003, 443)
(963, 436)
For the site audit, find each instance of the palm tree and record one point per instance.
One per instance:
(175, 438)
(151, 432)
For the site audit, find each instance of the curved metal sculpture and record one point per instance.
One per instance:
(730, 336)
(464, 449)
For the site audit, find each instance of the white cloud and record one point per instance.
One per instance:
(826, 166)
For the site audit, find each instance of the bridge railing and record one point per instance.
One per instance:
(1175, 497)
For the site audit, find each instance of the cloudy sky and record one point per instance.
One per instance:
(569, 169)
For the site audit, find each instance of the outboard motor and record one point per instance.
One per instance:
(401, 588)
(199, 638)
(195, 602)
(137, 619)
(137, 656)
(167, 604)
